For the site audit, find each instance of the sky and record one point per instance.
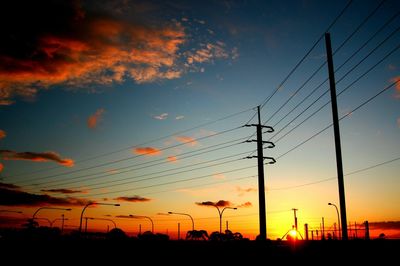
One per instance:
(144, 104)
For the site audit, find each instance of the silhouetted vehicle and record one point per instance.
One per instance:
(197, 235)
(116, 234)
(151, 237)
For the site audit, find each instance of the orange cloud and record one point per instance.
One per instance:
(147, 151)
(95, 118)
(90, 47)
(188, 140)
(397, 92)
(220, 203)
(132, 199)
(1, 167)
(172, 159)
(242, 191)
(36, 157)
(62, 190)
(245, 205)
(2, 134)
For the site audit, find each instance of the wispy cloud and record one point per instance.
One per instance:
(150, 151)
(179, 117)
(243, 191)
(9, 197)
(219, 176)
(2, 134)
(188, 140)
(8, 186)
(162, 116)
(385, 225)
(133, 199)
(397, 89)
(94, 119)
(172, 159)
(220, 203)
(62, 190)
(36, 157)
(245, 205)
(93, 46)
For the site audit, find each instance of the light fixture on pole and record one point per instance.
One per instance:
(179, 213)
(93, 203)
(338, 217)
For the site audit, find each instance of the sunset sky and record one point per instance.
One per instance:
(144, 103)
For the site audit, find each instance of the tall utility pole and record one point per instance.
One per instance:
(295, 218)
(336, 130)
(261, 185)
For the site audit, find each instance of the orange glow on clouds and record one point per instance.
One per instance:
(95, 118)
(1, 167)
(2, 134)
(188, 140)
(172, 159)
(36, 157)
(150, 151)
(397, 93)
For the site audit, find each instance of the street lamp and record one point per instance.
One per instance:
(93, 203)
(141, 216)
(51, 208)
(186, 215)
(220, 216)
(62, 222)
(338, 217)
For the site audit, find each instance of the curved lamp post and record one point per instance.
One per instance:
(141, 216)
(51, 208)
(186, 215)
(93, 203)
(220, 215)
(62, 222)
(338, 217)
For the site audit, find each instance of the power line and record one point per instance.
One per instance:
(305, 56)
(345, 89)
(343, 64)
(323, 64)
(169, 183)
(94, 186)
(132, 157)
(344, 116)
(146, 164)
(138, 145)
(334, 178)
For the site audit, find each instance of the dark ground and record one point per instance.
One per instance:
(135, 252)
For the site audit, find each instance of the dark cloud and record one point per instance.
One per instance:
(62, 190)
(395, 225)
(8, 186)
(84, 44)
(220, 203)
(10, 197)
(133, 199)
(36, 157)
